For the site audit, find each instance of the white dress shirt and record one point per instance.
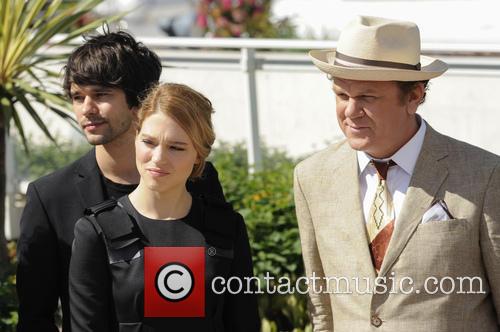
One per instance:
(398, 176)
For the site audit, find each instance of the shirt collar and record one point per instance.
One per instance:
(405, 157)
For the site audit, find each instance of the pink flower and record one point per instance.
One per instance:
(202, 21)
(226, 4)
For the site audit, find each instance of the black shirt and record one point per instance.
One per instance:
(168, 232)
(115, 190)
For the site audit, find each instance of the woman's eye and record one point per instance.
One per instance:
(147, 142)
(176, 148)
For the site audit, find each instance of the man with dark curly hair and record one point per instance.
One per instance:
(105, 78)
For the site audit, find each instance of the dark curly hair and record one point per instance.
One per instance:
(113, 59)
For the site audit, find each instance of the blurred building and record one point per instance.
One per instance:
(147, 17)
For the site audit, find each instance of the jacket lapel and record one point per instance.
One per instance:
(88, 180)
(428, 176)
(347, 208)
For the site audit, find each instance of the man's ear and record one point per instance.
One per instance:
(134, 110)
(135, 120)
(415, 97)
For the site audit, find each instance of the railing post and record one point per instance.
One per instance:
(253, 143)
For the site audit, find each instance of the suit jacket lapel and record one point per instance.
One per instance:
(88, 180)
(428, 176)
(348, 208)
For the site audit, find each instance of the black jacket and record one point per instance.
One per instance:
(107, 270)
(53, 205)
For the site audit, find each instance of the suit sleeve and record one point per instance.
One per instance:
(38, 280)
(208, 184)
(241, 310)
(490, 237)
(319, 303)
(89, 282)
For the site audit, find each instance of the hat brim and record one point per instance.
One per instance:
(323, 59)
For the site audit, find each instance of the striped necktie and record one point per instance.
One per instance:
(382, 215)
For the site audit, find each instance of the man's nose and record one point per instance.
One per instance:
(353, 109)
(89, 106)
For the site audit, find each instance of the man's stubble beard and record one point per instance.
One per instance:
(110, 134)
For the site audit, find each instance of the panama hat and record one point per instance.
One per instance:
(378, 49)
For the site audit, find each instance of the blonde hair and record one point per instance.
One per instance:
(190, 109)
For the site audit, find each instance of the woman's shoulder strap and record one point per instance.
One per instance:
(118, 227)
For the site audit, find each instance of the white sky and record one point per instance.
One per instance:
(439, 21)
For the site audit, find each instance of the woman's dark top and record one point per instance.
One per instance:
(107, 289)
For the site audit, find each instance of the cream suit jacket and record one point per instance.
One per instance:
(461, 254)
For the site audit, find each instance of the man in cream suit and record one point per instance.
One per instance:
(399, 224)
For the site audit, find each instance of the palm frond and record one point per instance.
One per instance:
(34, 115)
(27, 29)
(65, 116)
(28, 20)
(91, 26)
(47, 97)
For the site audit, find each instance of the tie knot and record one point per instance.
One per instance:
(382, 167)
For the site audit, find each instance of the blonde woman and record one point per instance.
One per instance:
(119, 280)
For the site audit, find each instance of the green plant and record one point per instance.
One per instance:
(8, 299)
(45, 158)
(265, 199)
(27, 81)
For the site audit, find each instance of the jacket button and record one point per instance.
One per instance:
(376, 321)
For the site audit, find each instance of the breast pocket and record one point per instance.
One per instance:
(443, 226)
(439, 246)
(445, 236)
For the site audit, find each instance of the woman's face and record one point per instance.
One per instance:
(165, 154)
